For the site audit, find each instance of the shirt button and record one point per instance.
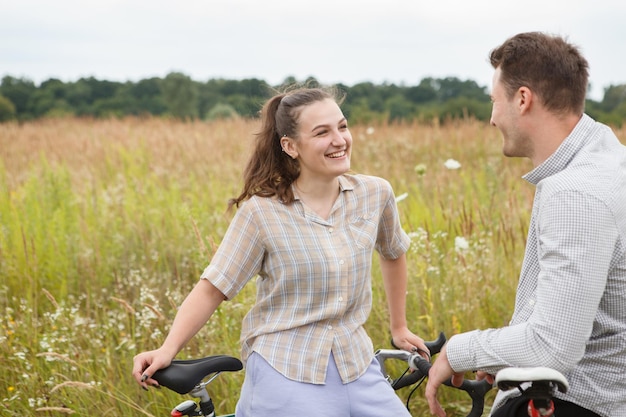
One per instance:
(330, 327)
(531, 302)
(330, 230)
(340, 298)
(341, 262)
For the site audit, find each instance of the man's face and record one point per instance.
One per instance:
(505, 116)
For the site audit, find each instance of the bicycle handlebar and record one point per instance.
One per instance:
(434, 347)
(475, 389)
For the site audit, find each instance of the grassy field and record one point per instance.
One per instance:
(105, 225)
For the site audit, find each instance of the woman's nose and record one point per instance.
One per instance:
(338, 138)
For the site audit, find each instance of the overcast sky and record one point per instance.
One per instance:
(347, 41)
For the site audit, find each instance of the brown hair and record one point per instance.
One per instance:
(270, 171)
(552, 68)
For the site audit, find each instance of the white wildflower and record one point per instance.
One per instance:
(433, 270)
(460, 244)
(452, 164)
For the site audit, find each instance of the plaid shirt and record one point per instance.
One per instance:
(313, 276)
(570, 310)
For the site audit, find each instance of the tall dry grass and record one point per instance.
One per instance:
(105, 225)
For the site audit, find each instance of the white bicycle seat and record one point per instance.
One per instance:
(509, 378)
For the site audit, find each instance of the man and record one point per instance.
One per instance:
(570, 307)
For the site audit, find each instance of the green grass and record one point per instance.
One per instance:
(105, 225)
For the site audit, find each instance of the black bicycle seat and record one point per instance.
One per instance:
(183, 375)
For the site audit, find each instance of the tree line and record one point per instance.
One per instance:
(177, 95)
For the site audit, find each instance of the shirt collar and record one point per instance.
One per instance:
(344, 185)
(559, 160)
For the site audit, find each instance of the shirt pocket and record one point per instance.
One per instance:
(364, 230)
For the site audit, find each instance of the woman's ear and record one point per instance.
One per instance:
(288, 147)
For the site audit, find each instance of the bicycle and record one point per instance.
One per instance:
(538, 384)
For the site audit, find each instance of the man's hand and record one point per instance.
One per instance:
(480, 375)
(440, 372)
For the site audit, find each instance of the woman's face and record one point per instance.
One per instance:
(324, 144)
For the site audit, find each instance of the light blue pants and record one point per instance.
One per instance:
(267, 393)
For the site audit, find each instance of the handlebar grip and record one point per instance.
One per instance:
(408, 379)
(421, 364)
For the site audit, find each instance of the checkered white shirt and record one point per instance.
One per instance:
(313, 276)
(570, 309)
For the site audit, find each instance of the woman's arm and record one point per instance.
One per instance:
(395, 276)
(193, 313)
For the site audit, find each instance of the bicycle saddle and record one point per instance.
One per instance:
(183, 375)
(509, 378)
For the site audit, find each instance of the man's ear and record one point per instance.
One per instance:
(288, 147)
(525, 99)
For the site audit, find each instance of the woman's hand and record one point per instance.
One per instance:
(405, 339)
(146, 364)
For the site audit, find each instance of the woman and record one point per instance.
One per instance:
(307, 230)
